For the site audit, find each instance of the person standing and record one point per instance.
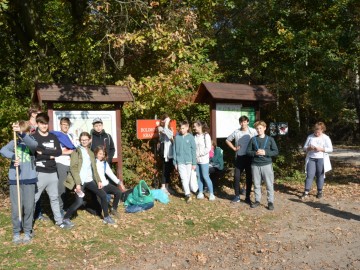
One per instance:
(48, 148)
(317, 162)
(261, 149)
(67, 143)
(33, 111)
(242, 137)
(23, 159)
(166, 151)
(203, 147)
(184, 150)
(100, 137)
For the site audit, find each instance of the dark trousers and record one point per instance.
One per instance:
(167, 169)
(243, 163)
(111, 189)
(93, 188)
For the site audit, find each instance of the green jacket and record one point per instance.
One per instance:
(73, 177)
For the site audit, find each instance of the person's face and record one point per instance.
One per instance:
(197, 128)
(318, 131)
(43, 127)
(85, 141)
(184, 129)
(64, 127)
(244, 124)
(100, 155)
(34, 114)
(260, 130)
(98, 127)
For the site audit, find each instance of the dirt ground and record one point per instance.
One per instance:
(312, 234)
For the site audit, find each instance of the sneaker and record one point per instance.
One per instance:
(64, 226)
(319, 195)
(68, 222)
(255, 204)
(166, 191)
(200, 196)
(271, 206)
(41, 217)
(236, 199)
(170, 190)
(27, 238)
(188, 198)
(115, 213)
(247, 200)
(304, 196)
(109, 220)
(212, 197)
(242, 191)
(17, 239)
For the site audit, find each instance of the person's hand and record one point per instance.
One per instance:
(78, 188)
(100, 185)
(237, 148)
(260, 152)
(17, 162)
(318, 149)
(176, 167)
(16, 127)
(122, 187)
(193, 167)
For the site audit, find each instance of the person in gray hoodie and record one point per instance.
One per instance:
(24, 159)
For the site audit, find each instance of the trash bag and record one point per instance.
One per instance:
(141, 194)
(160, 195)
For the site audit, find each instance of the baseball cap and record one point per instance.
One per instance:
(97, 120)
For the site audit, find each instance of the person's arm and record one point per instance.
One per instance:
(273, 149)
(193, 151)
(328, 148)
(75, 167)
(251, 150)
(7, 151)
(30, 142)
(229, 140)
(51, 152)
(307, 147)
(174, 153)
(110, 174)
(111, 150)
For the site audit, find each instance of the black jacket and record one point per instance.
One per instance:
(103, 138)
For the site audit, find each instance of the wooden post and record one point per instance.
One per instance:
(118, 141)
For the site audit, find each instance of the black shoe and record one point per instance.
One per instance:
(248, 201)
(188, 199)
(319, 195)
(255, 204)
(242, 191)
(271, 206)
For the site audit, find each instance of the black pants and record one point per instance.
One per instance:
(92, 187)
(111, 189)
(168, 166)
(243, 163)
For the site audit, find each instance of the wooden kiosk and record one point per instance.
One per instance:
(76, 94)
(228, 101)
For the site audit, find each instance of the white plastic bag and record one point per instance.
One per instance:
(193, 182)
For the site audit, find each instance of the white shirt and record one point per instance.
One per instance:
(242, 139)
(106, 171)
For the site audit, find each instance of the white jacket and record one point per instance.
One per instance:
(203, 147)
(103, 169)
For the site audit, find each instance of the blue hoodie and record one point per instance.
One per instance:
(25, 149)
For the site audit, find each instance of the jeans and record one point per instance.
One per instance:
(315, 167)
(167, 168)
(243, 163)
(111, 189)
(202, 173)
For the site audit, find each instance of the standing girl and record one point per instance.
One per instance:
(203, 147)
(317, 163)
(83, 176)
(103, 169)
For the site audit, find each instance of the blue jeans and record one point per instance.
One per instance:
(202, 173)
(315, 168)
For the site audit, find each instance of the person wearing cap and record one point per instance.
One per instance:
(100, 137)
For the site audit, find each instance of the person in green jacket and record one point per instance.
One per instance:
(83, 176)
(184, 151)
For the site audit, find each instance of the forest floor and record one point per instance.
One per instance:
(312, 234)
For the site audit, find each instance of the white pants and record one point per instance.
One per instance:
(185, 175)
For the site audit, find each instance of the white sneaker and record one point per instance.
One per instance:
(165, 191)
(200, 196)
(212, 197)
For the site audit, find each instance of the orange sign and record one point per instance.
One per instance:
(147, 129)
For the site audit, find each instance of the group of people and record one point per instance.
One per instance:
(52, 160)
(253, 154)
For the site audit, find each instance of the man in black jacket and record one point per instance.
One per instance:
(100, 137)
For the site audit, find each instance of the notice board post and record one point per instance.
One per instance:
(229, 101)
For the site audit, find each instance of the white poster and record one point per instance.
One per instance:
(227, 118)
(82, 121)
